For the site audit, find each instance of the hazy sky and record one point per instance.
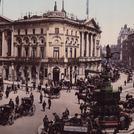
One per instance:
(111, 14)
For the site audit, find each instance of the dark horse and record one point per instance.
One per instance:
(83, 96)
(52, 91)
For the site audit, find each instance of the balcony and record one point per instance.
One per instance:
(28, 59)
(89, 59)
(56, 60)
(73, 60)
(7, 59)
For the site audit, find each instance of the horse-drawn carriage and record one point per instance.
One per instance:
(52, 92)
(71, 125)
(26, 107)
(6, 115)
(128, 105)
(130, 77)
(65, 84)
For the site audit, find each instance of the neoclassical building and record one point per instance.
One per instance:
(53, 46)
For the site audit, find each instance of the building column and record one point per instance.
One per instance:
(83, 44)
(87, 42)
(95, 46)
(3, 44)
(38, 52)
(89, 35)
(93, 53)
(22, 51)
(12, 43)
(30, 51)
(80, 44)
(91, 38)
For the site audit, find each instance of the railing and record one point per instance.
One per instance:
(28, 59)
(56, 60)
(88, 59)
(50, 60)
(73, 60)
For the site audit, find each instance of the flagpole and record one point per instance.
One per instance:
(2, 3)
(87, 10)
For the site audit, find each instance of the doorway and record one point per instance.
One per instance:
(56, 74)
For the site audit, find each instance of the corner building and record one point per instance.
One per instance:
(52, 46)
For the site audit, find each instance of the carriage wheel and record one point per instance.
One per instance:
(32, 110)
(11, 120)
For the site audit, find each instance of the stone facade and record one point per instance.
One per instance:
(51, 46)
(123, 35)
(128, 51)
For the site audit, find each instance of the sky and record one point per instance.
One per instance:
(110, 14)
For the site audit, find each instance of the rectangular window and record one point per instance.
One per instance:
(41, 30)
(42, 52)
(33, 31)
(66, 52)
(25, 31)
(56, 30)
(56, 52)
(46, 72)
(70, 52)
(18, 31)
(74, 52)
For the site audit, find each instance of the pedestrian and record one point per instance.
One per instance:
(46, 123)
(41, 97)
(67, 112)
(17, 100)
(44, 105)
(81, 107)
(32, 97)
(49, 103)
(125, 83)
(1, 95)
(34, 85)
(7, 92)
(46, 85)
(18, 86)
(39, 87)
(15, 89)
(27, 89)
(11, 103)
(85, 107)
(120, 89)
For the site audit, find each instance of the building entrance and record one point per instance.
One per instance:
(56, 74)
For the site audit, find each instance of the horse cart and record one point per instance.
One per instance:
(6, 115)
(26, 107)
(52, 92)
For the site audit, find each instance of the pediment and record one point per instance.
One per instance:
(92, 23)
(4, 20)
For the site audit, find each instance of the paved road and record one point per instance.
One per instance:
(29, 125)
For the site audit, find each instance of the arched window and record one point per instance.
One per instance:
(34, 40)
(26, 40)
